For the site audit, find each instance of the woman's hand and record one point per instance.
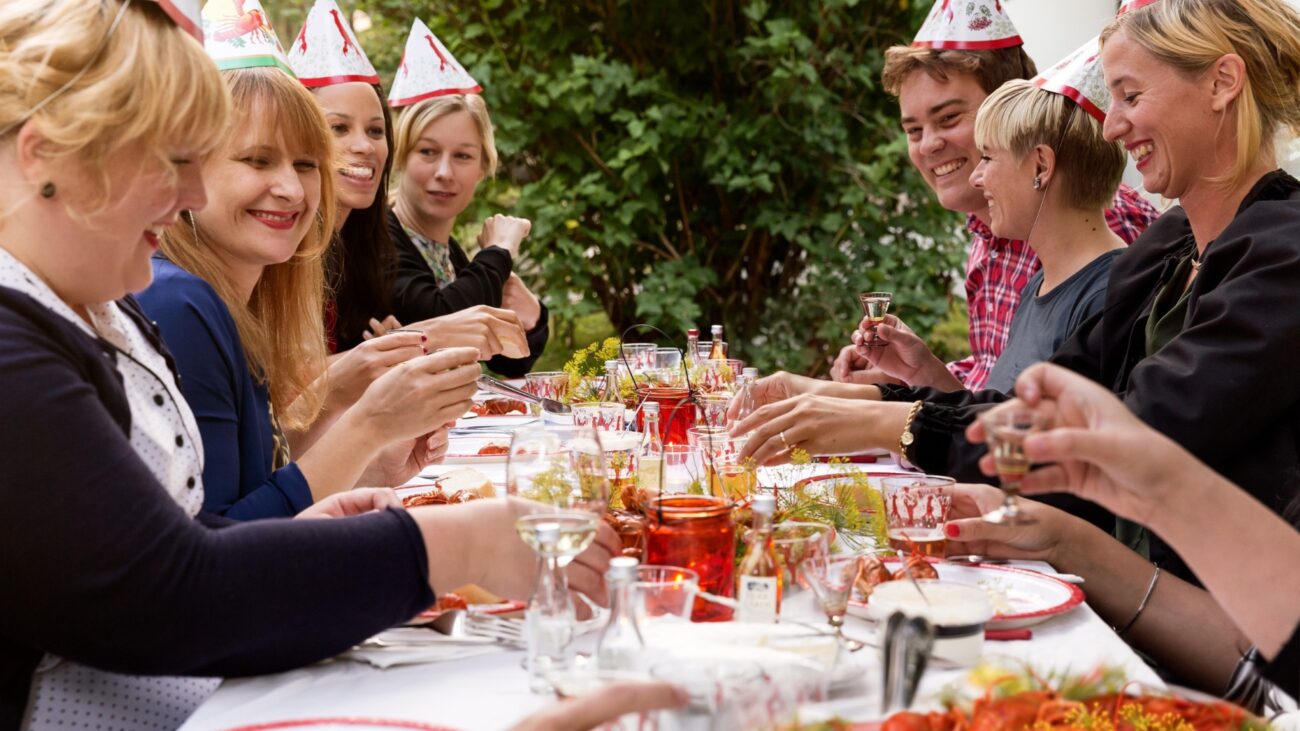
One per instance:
(605, 705)
(351, 373)
(418, 396)
(516, 297)
(399, 462)
(504, 231)
(968, 533)
(816, 424)
(1098, 449)
(895, 350)
(490, 330)
(852, 367)
(353, 502)
(378, 328)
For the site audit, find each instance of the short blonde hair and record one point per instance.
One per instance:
(415, 118)
(281, 327)
(1191, 35)
(1019, 116)
(991, 68)
(145, 86)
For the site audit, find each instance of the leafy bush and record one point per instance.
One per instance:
(689, 162)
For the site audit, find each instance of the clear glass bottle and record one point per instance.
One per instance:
(758, 579)
(620, 646)
(745, 393)
(719, 349)
(611, 393)
(548, 623)
(650, 466)
(692, 348)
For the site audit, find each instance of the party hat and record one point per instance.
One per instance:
(968, 25)
(1128, 5)
(1078, 76)
(186, 14)
(427, 70)
(238, 35)
(326, 50)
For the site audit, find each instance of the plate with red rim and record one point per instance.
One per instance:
(351, 724)
(504, 606)
(1020, 597)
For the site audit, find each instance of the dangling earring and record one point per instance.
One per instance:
(47, 190)
(1038, 183)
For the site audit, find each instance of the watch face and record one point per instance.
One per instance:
(906, 438)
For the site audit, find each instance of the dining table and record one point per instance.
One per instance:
(487, 686)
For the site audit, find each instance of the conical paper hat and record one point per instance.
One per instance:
(238, 35)
(326, 50)
(1078, 76)
(1128, 5)
(968, 25)
(186, 14)
(427, 70)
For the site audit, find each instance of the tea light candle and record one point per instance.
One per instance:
(957, 611)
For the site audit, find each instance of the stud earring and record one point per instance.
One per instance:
(47, 190)
(1038, 183)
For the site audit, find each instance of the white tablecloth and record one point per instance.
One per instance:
(491, 691)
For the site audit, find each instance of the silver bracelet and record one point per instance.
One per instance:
(1142, 607)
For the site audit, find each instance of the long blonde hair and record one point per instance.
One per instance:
(1191, 35)
(281, 326)
(97, 94)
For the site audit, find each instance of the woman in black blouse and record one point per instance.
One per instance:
(105, 111)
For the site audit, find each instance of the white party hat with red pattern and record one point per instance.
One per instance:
(326, 50)
(968, 25)
(1078, 76)
(238, 35)
(428, 70)
(186, 14)
(1128, 5)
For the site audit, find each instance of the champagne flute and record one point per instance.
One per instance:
(1005, 429)
(875, 305)
(565, 493)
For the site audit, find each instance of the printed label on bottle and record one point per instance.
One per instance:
(756, 596)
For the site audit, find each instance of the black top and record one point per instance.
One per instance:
(417, 296)
(102, 567)
(1226, 388)
(1284, 670)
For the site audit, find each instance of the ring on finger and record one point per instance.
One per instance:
(781, 434)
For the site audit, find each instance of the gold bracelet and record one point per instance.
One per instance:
(906, 438)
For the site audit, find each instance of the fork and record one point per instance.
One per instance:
(507, 631)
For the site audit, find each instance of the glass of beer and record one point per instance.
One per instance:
(916, 507)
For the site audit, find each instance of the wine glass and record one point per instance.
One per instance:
(831, 579)
(875, 305)
(565, 493)
(1005, 429)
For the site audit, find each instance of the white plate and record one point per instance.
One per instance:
(464, 450)
(1020, 597)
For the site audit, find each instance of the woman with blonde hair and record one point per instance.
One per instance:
(444, 148)
(106, 111)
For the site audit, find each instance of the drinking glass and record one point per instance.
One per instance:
(565, 495)
(1005, 429)
(795, 543)
(713, 408)
(916, 507)
(875, 305)
(666, 590)
(831, 580)
(668, 359)
(640, 356)
(718, 451)
(600, 415)
(547, 384)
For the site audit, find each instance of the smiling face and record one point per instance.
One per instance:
(356, 119)
(444, 168)
(262, 196)
(1007, 186)
(1161, 116)
(939, 120)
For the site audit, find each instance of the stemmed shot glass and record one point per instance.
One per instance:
(567, 489)
(875, 305)
(831, 579)
(1005, 430)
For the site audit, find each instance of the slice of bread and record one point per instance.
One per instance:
(467, 479)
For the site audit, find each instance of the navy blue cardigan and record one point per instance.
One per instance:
(231, 406)
(101, 566)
